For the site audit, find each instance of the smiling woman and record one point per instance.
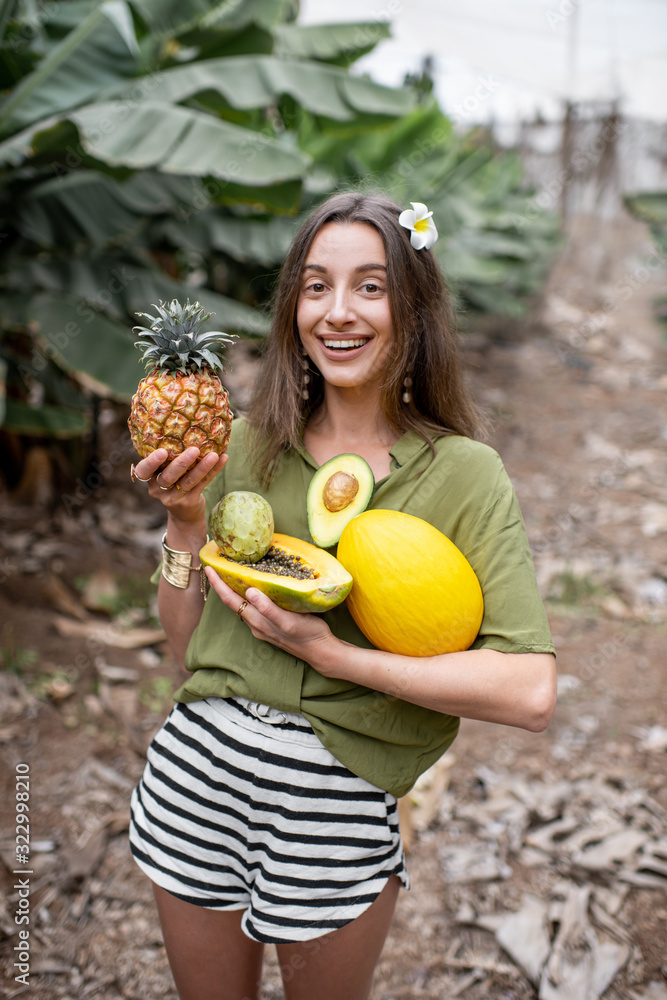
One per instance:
(343, 312)
(268, 809)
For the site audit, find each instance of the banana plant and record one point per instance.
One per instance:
(123, 126)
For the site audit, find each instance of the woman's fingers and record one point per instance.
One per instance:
(295, 633)
(187, 473)
(253, 598)
(147, 467)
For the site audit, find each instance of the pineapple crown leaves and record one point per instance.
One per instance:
(174, 340)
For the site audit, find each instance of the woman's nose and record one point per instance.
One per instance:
(340, 310)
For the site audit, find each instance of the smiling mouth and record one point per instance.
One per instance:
(345, 345)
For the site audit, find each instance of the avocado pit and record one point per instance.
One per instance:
(339, 491)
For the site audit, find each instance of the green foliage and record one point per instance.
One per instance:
(14, 657)
(160, 149)
(136, 138)
(651, 207)
(575, 590)
(156, 694)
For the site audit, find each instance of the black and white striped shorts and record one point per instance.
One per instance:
(241, 807)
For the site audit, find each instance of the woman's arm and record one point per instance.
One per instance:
(180, 609)
(514, 689)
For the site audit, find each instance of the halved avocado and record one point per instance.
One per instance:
(329, 586)
(339, 490)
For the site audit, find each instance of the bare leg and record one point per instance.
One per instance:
(210, 956)
(340, 965)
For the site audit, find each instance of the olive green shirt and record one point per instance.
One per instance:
(465, 492)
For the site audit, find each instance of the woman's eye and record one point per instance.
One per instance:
(371, 287)
(316, 286)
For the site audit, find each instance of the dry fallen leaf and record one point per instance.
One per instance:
(62, 598)
(109, 635)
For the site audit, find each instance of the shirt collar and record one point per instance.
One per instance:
(407, 446)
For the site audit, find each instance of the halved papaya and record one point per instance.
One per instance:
(324, 583)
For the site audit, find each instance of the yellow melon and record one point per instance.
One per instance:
(414, 592)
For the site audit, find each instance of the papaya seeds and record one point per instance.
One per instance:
(339, 490)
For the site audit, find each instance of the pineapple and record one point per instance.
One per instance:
(181, 401)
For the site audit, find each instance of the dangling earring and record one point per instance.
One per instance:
(304, 361)
(407, 385)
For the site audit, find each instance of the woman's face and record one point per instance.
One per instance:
(343, 313)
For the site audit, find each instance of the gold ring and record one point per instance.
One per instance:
(135, 478)
(244, 605)
(157, 480)
(180, 488)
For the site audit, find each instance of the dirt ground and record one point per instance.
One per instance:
(539, 864)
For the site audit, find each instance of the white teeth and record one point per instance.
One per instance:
(343, 343)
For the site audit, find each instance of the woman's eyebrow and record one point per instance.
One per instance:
(362, 267)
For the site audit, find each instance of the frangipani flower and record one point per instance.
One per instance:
(419, 220)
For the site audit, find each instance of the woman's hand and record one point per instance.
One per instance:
(304, 636)
(180, 484)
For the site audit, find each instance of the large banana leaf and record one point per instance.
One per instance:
(86, 205)
(264, 241)
(340, 44)
(118, 285)
(44, 420)
(82, 341)
(81, 206)
(154, 135)
(249, 82)
(98, 52)
(232, 316)
(85, 343)
(167, 18)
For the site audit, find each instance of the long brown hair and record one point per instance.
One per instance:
(426, 341)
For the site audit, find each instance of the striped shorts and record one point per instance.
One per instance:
(241, 807)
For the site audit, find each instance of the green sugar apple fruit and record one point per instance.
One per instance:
(241, 524)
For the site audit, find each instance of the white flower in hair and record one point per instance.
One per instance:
(420, 221)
